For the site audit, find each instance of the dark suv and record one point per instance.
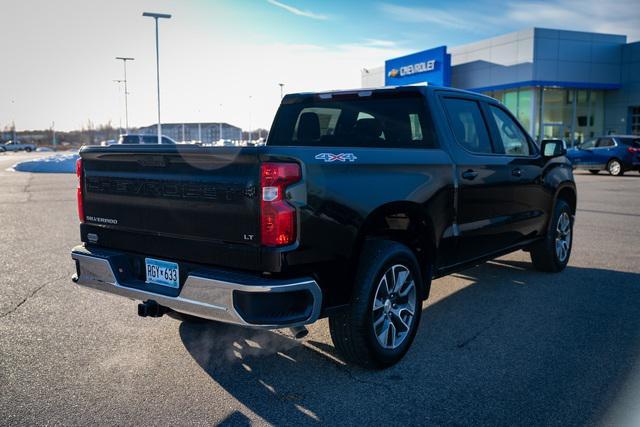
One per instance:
(613, 153)
(358, 200)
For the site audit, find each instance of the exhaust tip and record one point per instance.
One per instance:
(299, 332)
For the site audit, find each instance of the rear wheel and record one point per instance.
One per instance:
(552, 254)
(594, 171)
(615, 167)
(28, 149)
(378, 327)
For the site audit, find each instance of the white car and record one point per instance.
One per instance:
(17, 146)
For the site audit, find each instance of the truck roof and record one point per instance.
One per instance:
(363, 92)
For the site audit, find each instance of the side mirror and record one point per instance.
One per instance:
(553, 148)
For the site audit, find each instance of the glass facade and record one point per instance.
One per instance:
(519, 101)
(634, 120)
(575, 115)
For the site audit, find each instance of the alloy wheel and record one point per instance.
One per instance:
(563, 237)
(615, 167)
(394, 306)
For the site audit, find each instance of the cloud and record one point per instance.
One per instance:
(605, 16)
(296, 11)
(380, 43)
(491, 17)
(422, 15)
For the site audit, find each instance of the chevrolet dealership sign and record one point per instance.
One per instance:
(431, 66)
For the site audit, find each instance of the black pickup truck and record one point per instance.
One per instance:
(358, 200)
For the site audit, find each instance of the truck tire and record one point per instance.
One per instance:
(378, 327)
(28, 149)
(552, 254)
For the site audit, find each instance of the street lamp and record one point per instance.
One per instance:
(155, 16)
(281, 89)
(126, 106)
(220, 123)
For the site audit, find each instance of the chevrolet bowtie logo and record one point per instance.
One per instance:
(393, 73)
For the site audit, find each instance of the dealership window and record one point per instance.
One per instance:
(518, 101)
(634, 120)
(514, 142)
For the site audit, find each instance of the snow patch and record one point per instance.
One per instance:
(58, 163)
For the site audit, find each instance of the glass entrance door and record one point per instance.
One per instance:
(554, 131)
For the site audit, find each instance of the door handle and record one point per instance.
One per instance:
(469, 174)
(516, 172)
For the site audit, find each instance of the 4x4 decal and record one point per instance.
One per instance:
(342, 157)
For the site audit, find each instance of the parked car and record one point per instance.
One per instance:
(616, 154)
(17, 146)
(357, 201)
(143, 139)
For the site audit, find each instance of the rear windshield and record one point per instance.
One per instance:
(634, 142)
(399, 121)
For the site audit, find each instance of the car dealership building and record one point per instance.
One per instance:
(564, 84)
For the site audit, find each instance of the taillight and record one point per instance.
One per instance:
(278, 218)
(633, 149)
(80, 174)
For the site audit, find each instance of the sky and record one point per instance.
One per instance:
(222, 60)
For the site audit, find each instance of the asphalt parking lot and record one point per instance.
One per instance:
(498, 344)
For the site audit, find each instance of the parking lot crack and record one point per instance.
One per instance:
(464, 343)
(31, 294)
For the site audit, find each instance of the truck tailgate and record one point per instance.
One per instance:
(173, 196)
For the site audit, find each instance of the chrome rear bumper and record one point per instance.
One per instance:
(203, 294)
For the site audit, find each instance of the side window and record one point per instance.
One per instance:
(588, 145)
(513, 139)
(468, 125)
(416, 127)
(605, 142)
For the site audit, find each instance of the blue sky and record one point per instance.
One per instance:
(223, 59)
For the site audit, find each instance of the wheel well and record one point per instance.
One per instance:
(568, 194)
(405, 223)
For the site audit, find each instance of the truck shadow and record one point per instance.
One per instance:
(512, 346)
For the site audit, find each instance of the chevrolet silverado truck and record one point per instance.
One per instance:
(357, 201)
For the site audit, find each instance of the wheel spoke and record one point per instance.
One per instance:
(392, 335)
(400, 280)
(403, 326)
(389, 282)
(410, 286)
(379, 321)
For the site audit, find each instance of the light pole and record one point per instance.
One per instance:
(155, 16)
(126, 106)
(250, 124)
(220, 123)
(281, 89)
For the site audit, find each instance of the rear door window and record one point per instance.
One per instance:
(605, 142)
(353, 121)
(468, 125)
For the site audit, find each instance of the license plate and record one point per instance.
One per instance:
(162, 272)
